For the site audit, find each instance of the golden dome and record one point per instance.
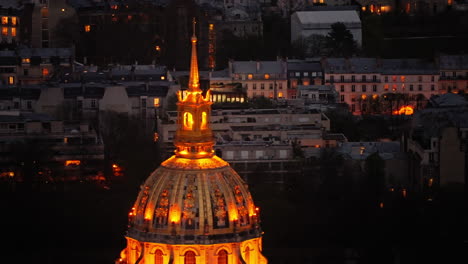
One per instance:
(201, 201)
(194, 208)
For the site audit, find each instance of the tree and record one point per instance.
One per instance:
(375, 176)
(311, 46)
(340, 41)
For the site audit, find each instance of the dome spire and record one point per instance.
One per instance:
(194, 138)
(194, 79)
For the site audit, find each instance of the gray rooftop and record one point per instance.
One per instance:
(408, 66)
(328, 17)
(386, 150)
(348, 65)
(453, 62)
(271, 67)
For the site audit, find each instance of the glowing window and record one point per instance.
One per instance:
(13, 21)
(158, 257)
(204, 121)
(211, 27)
(4, 20)
(250, 76)
(13, 32)
(402, 78)
(189, 258)
(4, 31)
(44, 12)
(11, 80)
(87, 28)
(156, 102)
(222, 257)
(280, 95)
(267, 76)
(363, 97)
(163, 78)
(188, 121)
(45, 72)
(72, 163)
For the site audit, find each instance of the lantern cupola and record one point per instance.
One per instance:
(194, 137)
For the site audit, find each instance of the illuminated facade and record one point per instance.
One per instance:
(194, 208)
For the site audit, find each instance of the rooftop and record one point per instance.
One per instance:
(328, 17)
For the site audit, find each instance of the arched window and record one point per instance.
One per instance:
(158, 257)
(189, 257)
(247, 255)
(222, 257)
(204, 121)
(188, 121)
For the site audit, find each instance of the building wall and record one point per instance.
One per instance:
(452, 157)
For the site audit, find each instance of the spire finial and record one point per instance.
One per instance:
(194, 77)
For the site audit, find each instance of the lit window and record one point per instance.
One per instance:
(222, 257)
(157, 48)
(158, 257)
(11, 79)
(13, 21)
(204, 121)
(402, 78)
(26, 60)
(188, 121)
(4, 31)
(189, 258)
(211, 27)
(280, 95)
(156, 102)
(267, 76)
(72, 163)
(13, 32)
(63, 9)
(250, 76)
(45, 72)
(87, 28)
(163, 78)
(4, 20)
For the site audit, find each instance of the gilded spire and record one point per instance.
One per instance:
(194, 138)
(194, 79)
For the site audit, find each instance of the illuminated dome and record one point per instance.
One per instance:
(188, 201)
(194, 208)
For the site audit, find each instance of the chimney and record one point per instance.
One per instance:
(258, 66)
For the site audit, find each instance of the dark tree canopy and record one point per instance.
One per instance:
(340, 41)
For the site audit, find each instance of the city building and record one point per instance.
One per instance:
(437, 145)
(371, 85)
(25, 66)
(61, 150)
(258, 78)
(453, 73)
(307, 23)
(10, 12)
(303, 72)
(41, 22)
(194, 208)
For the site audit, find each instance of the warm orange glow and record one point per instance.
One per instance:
(26, 60)
(381, 205)
(249, 76)
(233, 214)
(45, 72)
(204, 121)
(13, 32)
(404, 192)
(430, 182)
(363, 97)
(211, 27)
(11, 174)
(13, 21)
(267, 76)
(72, 162)
(87, 28)
(317, 146)
(174, 214)
(157, 48)
(155, 136)
(363, 8)
(163, 78)
(374, 96)
(404, 110)
(4, 20)
(4, 31)
(11, 80)
(156, 102)
(63, 9)
(188, 121)
(280, 94)
(203, 163)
